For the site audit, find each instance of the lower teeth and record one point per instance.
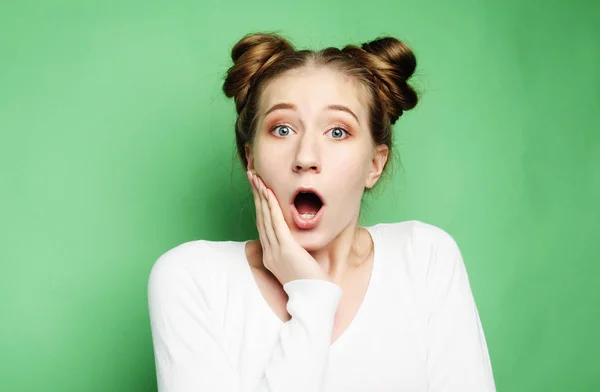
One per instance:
(307, 215)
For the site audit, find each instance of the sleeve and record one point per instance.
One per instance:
(190, 345)
(457, 353)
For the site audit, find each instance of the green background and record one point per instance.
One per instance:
(117, 145)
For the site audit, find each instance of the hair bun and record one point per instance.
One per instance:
(251, 56)
(394, 52)
(392, 63)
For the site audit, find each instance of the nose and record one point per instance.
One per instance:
(307, 155)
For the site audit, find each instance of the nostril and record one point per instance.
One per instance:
(315, 168)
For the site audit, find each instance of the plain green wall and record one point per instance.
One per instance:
(117, 145)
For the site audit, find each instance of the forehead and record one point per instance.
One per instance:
(312, 88)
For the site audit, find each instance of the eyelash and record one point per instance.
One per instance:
(336, 126)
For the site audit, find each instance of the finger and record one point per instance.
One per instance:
(269, 230)
(259, 213)
(282, 230)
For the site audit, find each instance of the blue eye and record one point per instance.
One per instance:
(282, 130)
(338, 133)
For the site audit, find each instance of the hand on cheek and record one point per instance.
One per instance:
(282, 255)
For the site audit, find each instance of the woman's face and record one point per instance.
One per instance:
(312, 133)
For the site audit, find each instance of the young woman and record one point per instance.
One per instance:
(318, 303)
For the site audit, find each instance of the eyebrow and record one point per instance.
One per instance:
(283, 106)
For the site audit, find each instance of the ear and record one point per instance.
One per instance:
(249, 157)
(380, 157)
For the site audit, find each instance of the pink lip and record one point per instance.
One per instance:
(307, 223)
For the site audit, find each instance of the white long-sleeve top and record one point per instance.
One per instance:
(417, 329)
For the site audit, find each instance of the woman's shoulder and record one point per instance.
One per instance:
(201, 263)
(418, 248)
(414, 233)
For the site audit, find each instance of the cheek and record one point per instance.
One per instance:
(270, 164)
(264, 157)
(348, 183)
(350, 168)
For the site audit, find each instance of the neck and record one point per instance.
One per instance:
(348, 250)
(345, 252)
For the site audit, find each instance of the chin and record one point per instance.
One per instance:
(311, 240)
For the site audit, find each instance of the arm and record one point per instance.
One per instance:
(457, 356)
(189, 344)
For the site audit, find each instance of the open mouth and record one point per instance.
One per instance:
(307, 203)
(308, 207)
